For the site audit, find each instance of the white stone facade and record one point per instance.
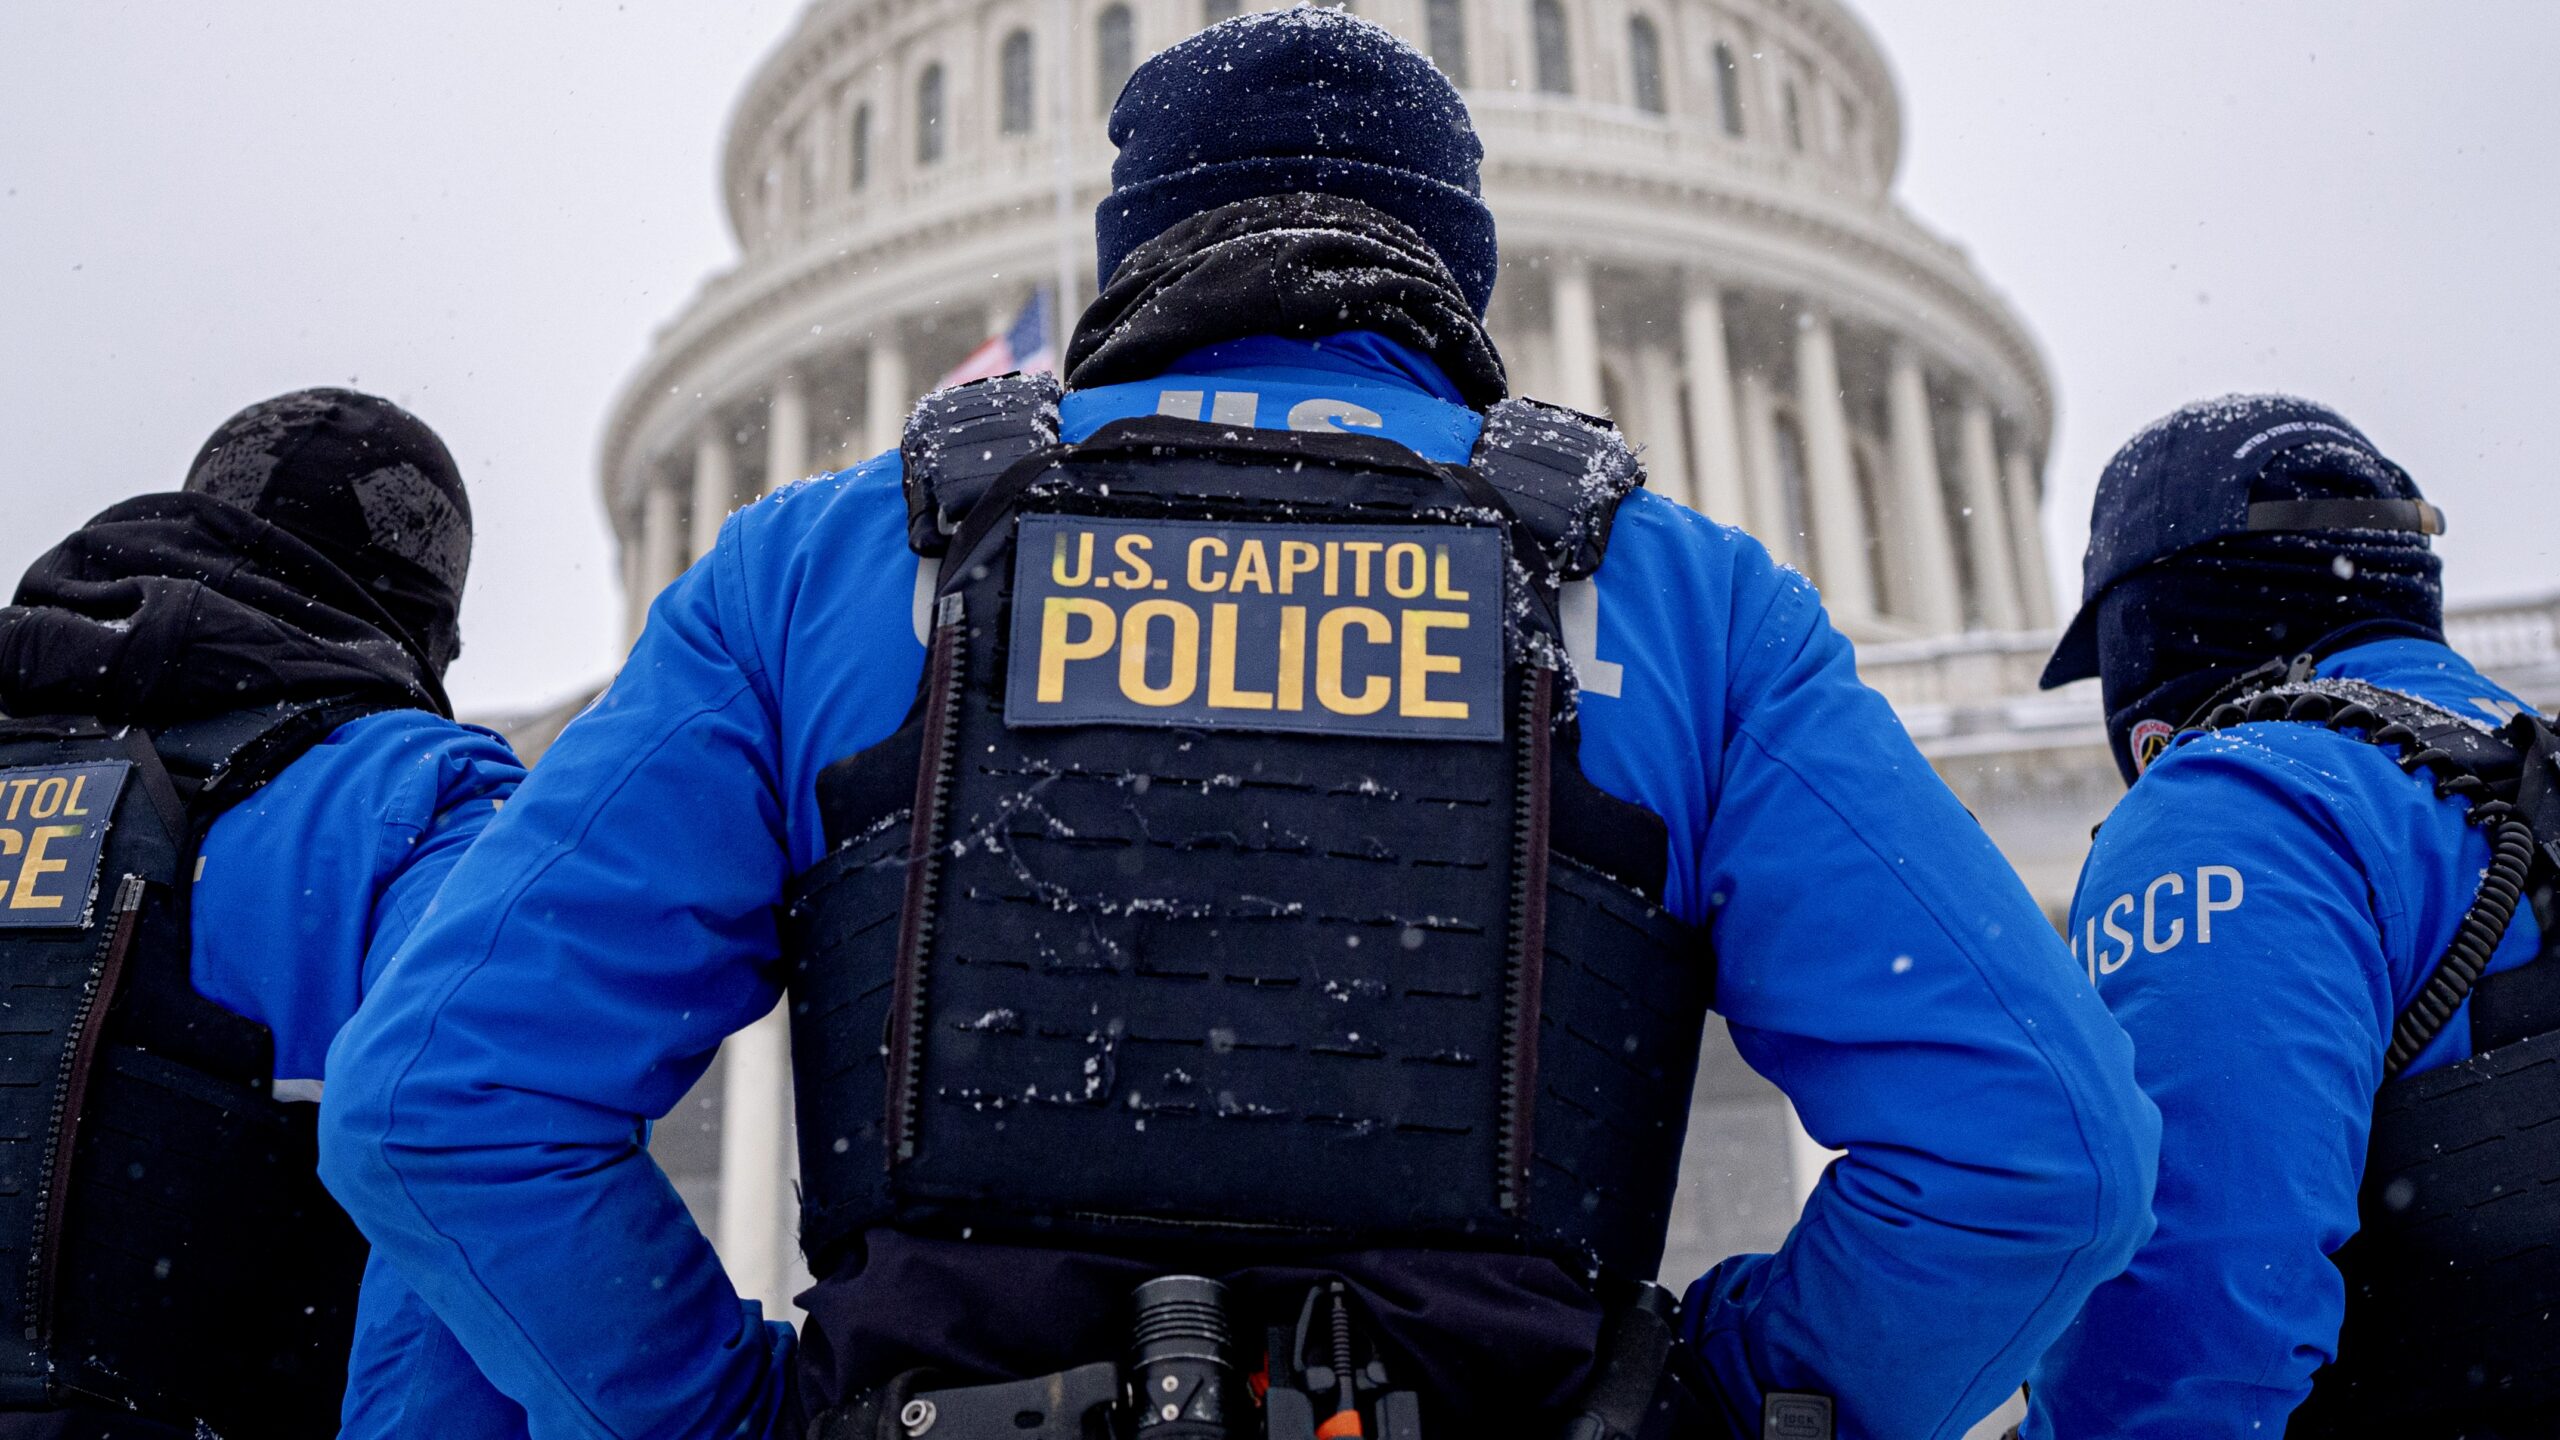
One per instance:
(1698, 238)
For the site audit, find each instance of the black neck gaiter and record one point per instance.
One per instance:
(2175, 633)
(177, 607)
(1300, 265)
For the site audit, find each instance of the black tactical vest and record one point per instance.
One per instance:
(1233, 878)
(2453, 1276)
(168, 1247)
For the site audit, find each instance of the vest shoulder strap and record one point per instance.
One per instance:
(217, 762)
(1565, 474)
(958, 440)
(2489, 770)
(2428, 736)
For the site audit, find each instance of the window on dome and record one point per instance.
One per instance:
(857, 160)
(929, 116)
(1445, 30)
(1644, 53)
(1728, 90)
(1794, 115)
(1115, 53)
(1013, 72)
(1555, 57)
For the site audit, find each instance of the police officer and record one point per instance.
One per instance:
(2306, 912)
(229, 784)
(1187, 846)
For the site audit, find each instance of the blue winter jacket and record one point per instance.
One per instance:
(1879, 961)
(306, 889)
(2257, 911)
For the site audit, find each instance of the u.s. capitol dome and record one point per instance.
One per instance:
(1698, 238)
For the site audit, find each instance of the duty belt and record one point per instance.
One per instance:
(1321, 1379)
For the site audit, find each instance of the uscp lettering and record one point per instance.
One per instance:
(2172, 910)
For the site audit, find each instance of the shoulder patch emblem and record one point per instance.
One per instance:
(2150, 738)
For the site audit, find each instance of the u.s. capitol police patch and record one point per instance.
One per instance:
(53, 835)
(1383, 630)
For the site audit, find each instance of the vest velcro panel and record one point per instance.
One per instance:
(2453, 1284)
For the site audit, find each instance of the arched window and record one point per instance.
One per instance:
(1794, 116)
(857, 158)
(929, 115)
(1555, 56)
(1213, 11)
(1728, 90)
(1013, 81)
(1115, 54)
(1644, 53)
(1445, 30)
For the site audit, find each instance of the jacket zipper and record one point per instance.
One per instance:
(70, 1089)
(924, 873)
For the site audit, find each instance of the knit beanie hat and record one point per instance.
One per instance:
(2282, 531)
(368, 485)
(1305, 99)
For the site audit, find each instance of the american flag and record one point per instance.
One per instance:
(1027, 344)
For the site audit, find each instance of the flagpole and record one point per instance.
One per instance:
(1062, 311)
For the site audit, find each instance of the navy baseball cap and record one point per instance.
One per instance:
(2193, 477)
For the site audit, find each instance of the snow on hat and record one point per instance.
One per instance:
(1305, 99)
(365, 482)
(2238, 465)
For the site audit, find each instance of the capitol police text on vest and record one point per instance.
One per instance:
(1878, 958)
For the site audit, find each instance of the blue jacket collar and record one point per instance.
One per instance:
(1361, 354)
(2429, 669)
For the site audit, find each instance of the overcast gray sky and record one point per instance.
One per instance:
(482, 208)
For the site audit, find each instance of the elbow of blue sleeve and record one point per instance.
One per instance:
(2124, 1150)
(354, 1120)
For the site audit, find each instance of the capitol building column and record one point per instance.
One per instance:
(1935, 601)
(2026, 521)
(1715, 442)
(715, 485)
(662, 544)
(1840, 536)
(759, 1163)
(1995, 577)
(1577, 335)
(1767, 515)
(1669, 470)
(786, 434)
(885, 401)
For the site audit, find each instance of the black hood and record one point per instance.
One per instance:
(176, 607)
